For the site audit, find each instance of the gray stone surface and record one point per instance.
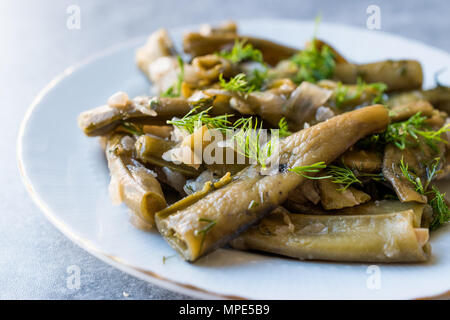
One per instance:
(36, 46)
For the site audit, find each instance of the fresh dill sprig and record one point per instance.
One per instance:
(373, 176)
(432, 137)
(404, 134)
(175, 90)
(164, 258)
(412, 177)
(283, 128)
(372, 140)
(134, 129)
(242, 52)
(343, 175)
(194, 120)
(314, 168)
(380, 88)
(346, 176)
(400, 133)
(205, 229)
(431, 171)
(438, 204)
(343, 98)
(169, 93)
(248, 141)
(440, 209)
(204, 103)
(257, 78)
(238, 83)
(314, 64)
(317, 22)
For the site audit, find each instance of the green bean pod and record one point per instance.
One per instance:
(149, 149)
(390, 237)
(133, 183)
(398, 75)
(104, 119)
(197, 44)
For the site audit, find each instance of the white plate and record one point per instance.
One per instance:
(66, 174)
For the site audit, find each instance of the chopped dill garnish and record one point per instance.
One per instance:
(257, 78)
(406, 134)
(194, 120)
(343, 98)
(134, 129)
(400, 133)
(248, 141)
(181, 74)
(283, 128)
(242, 52)
(432, 137)
(343, 175)
(440, 209)
(412, 177)
(380, 88)
(397, 132)
(431, 171)
(164, 258)
(205, 229)
(175, 90)
(438, 204)
(314, 168)
(346, 176)
(204, 103)
(169, 93)
(373, 176)
(245, 83)
(238, 83)
(314, 64)
(247, 136)
(317, 22)
(370, 141)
